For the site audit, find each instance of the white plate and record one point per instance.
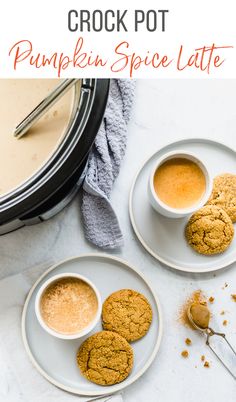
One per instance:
(164, 238)
(55, 359)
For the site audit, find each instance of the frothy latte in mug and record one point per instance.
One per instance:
(179, 183)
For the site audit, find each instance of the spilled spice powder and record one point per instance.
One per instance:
(184, 354)
(196, 297)
(207, 364)
(202, 358)
(234, 297)
(188, 341)
(211, 299)
(225, 322)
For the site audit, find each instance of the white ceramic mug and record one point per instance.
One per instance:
(41, 321)
(166, 210)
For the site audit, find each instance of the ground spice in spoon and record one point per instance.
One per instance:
(197, 297)
(200, 315)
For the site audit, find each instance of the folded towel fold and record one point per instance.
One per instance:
(100, 221)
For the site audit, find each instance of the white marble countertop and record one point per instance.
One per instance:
(164, 111)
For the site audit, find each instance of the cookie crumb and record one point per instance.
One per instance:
(202, 358)
(184, 354)
(234, 297)
(211, 299)
(225, 322)
(188, 341)
(206, 364)
(225, 286)
(222, 312)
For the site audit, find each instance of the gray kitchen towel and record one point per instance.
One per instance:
(100, 221)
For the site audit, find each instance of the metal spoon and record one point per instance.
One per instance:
(43, 107)
(210, 332)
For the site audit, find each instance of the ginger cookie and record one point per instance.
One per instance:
(210, 230)
(105, 358)
(224, 194)
(128, 313)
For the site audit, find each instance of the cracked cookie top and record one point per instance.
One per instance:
(128, 313)
(224, 194)
(210, 230)
(105, 358)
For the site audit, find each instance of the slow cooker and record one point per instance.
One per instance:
(51, 188)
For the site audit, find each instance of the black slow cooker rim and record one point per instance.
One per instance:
(77, 156)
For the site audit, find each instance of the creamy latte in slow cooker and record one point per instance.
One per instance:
(21, 158)
(43, 171)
